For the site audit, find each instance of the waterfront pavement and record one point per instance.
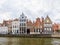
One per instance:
(33, 36)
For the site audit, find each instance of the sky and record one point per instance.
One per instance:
(10, 9)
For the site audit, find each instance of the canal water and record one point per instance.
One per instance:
(29, 41)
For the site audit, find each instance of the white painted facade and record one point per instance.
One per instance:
(15, 27)
(23, 24)
(48, 25)
(47, 28)
(3, 30)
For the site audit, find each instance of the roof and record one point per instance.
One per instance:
(47, 20)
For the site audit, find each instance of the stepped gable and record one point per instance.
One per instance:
(37, 24)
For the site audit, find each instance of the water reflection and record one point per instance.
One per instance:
(56, 41)
(26, 41)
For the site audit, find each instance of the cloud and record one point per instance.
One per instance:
(5, 16)
(31, 8)
(1, 2)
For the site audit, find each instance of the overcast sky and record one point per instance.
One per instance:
(10, 9)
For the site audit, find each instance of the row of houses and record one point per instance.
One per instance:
(22, 25)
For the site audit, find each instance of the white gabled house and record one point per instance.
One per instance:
(19, 26)
(23, 24)
(15, 26)
(48, 26)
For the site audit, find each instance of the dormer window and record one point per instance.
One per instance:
(47, 21)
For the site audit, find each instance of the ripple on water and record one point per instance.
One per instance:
(27, 41)
(56, 41)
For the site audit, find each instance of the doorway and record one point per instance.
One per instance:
(28, 31)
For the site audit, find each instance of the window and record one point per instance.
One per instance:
(20, 24)
(24, 24)
(15, 26)
(22, 17)
(24, 31)
(20, 29)
(50, 29)
(21, 20)
(47, 28)
(17, 31)
(13, 30)
(34, 30)
(44, 28)
(39, 30)
(24, 20)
